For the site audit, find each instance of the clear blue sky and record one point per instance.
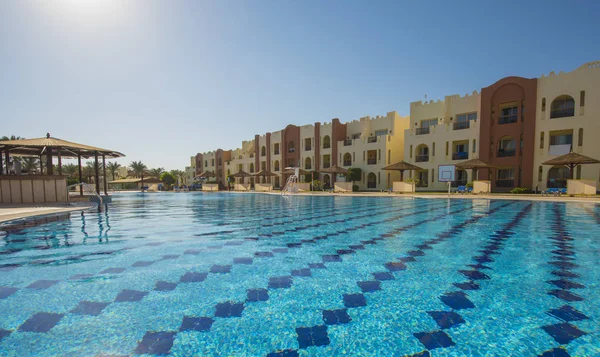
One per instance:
(163, 80)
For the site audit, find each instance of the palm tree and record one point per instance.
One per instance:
(156, 172)
(89, 170)
(113, 168)
(138, 169)
(178, 175)
(12, 137)
(29, 164)
(70, 170)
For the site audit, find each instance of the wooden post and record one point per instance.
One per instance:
(59, 163)
(80, 174)
(97, 169)
(49, 168)
(41, 166)
(7, 159)
(1, 164)
(104, 174)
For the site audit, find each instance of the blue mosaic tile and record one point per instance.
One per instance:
(142, 264)
(284, 353)
(556, 352)
(302, 272)
(474, 274)
(408, 259)
(223, 269)
(280, 250)
(357, 247)
(336, 317)
(354, 300)
(312, 336)
(565, 274)
(567, 313)
(369, 286)
(170, 256)
(565, 295)
(483, 259)
(433, 340)
(42, 284)
(384, 275)
(9, 267)
(345, 251)
(331, 258)
(457, 300)
(242, 260)
(229, 309)
(164, 286)
(89, 308)
(278, 282)
(112, 271)
(416, 253)
(192, 251)
(420, 354)
(469, 285)
(566, 284)
(156, 343)
(317, 266)
(424, 246)
(263, 254)
(130, 295)
(254, 295)
(294, 245)
(196, 323)
(4, 333)
(6, 291)
(395, 266)
(563, 333)
(41, 322)
(81, 276)
(193, 277)
(446, 319)
(563, 264)
(233, 243)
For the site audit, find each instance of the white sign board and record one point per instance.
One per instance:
(446, 173)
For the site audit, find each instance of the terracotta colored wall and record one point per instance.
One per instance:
(508, 90)
(256, 153)
(338, 133)
(199, 164)
(268, 155)
(290, 133)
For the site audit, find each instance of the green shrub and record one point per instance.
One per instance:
(354, 188)
(72, 181)
(316, 185)
(520, 190)
(354, 174)
(469, 184)
(412, 180)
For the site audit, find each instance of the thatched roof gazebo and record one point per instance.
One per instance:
(474, 164)
(571, 160)
(50, 147)
(402, 166)
(242, 175)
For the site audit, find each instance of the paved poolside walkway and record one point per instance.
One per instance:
(12, 212)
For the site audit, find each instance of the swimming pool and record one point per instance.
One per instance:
(260, 275)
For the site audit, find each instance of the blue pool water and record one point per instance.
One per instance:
(258, 275)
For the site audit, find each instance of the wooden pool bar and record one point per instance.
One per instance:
(18, 189)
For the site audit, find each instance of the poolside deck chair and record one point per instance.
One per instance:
(461, 189)
(550, 191)
(469, 190)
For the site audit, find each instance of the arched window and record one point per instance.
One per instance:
(291, 147)
(557, 177)
(347, 159)
(326, 142)
(507, 146)
(371, 180)
(205, 163)
(251, 168)
(563, 106)
(263, 151)
(422, 154)
(326, 181)
(276, 165)
(307, 163)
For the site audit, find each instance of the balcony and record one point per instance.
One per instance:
(507, 119)
(307, 167)
(276, 152)
(371, 161)
(422, 131)
(251, 155)
(505, 183)
(326, 165)
(308, 148)
(372, 139)
(292, 150)
(371, 184)
(461, 125)
(562, 113)
(347, 142)
(460, 156)
(422, 158)
(347, 163)
(326, 146)
(506, 153)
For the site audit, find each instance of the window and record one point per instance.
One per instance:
(263, 151)
(505, 177)
(540, 173)
(563, 106)
(307, 145)
(429, 122)
(410, 152)
(461, 118)
(507, 146)
(275, 149)
(212, 162)
(543, 104)
(220, 161)
(474, 145)
(326, 161)
(432, 175)
(347, 159)
(307, 164)
(578, 172)
(542, 140)
(251, 168)
(356, 136)
(291, 147)
(389, 156)
(381, 132)
(433, 150)
(205, 163)
(447, 147)
(582, 98)
(561, 139)
(580, 137)
(422, 153)
(508, 115)
(326, 142)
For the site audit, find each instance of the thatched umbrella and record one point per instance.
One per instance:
(571, 160)
(402, 166)
(242, 175)
(264, 173)
(474, 164)
(207, 174)
(334, 170)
